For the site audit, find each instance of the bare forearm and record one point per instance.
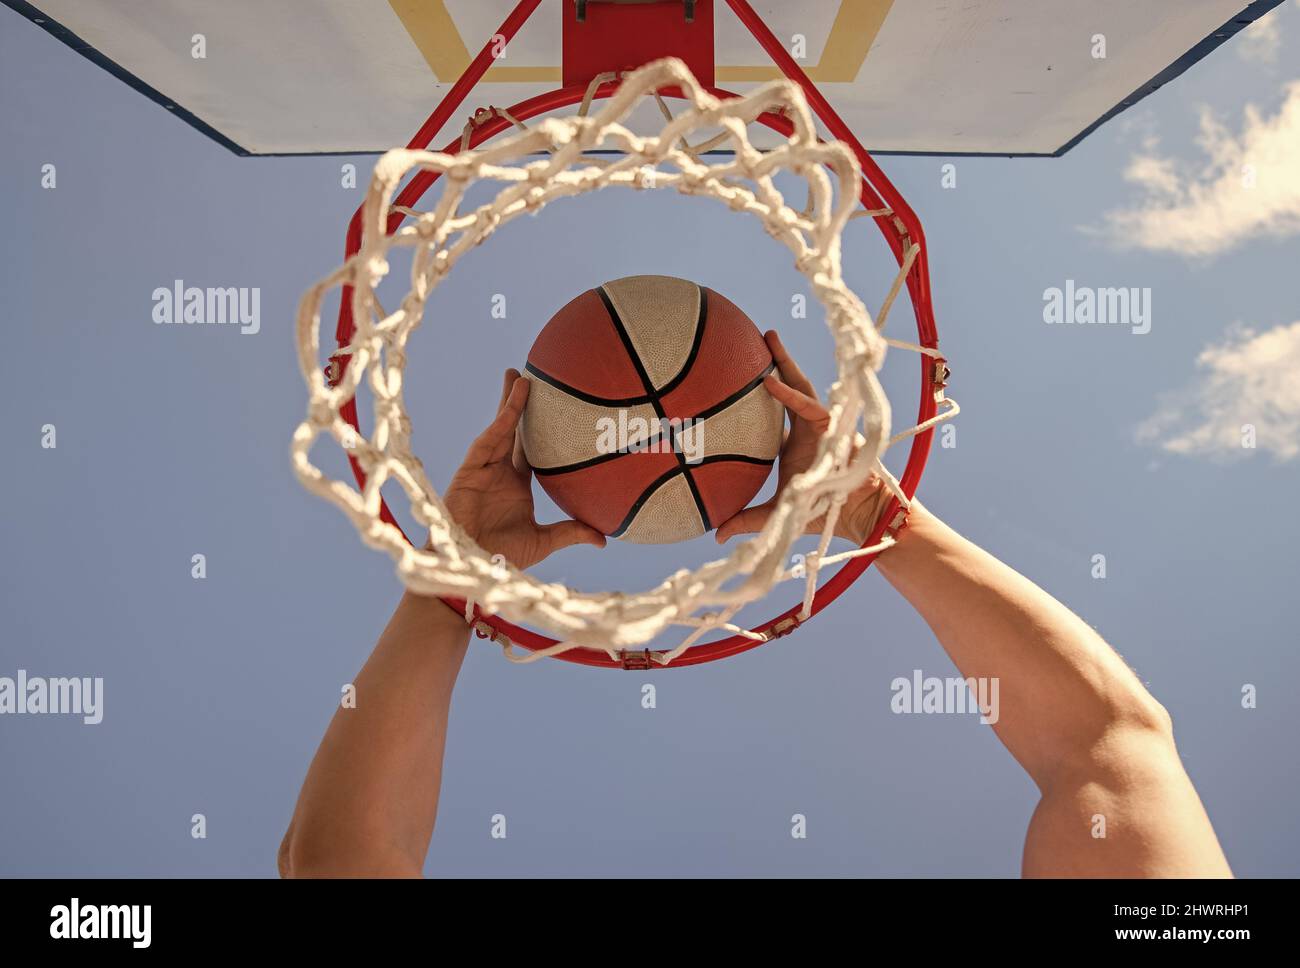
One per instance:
(370, 798)
(1116, 800)
(1062, 688)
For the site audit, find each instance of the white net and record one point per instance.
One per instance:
(708, 597)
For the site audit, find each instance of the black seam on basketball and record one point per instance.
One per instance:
(699, 498)
(628, 346)
(736, 397)
(700, 321)
(593, 461)
(644, 497)
(585, 397)
(716, 458)
(718, 408)
(742, 458)
(630, 349)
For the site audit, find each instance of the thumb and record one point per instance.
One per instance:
(564, 534)
(748, 521)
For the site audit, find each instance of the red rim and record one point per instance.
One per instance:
(877, 192)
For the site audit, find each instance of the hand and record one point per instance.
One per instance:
(809, 421)
(491, 496)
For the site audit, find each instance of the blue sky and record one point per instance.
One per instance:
(1073, 442)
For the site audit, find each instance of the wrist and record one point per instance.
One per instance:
(861, 515)
(917, 541)
(433, 613)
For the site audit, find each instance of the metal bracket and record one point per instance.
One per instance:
(333, 372)
(637, 660)
(941, 374)
(689, 6)
(484, 631)
(898, 523)
(782, 628)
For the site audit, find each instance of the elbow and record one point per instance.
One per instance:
(1133, 710)
(1118, 705)
(1114, 727)
(307, 857)
(1126, 742)
(1155, 718)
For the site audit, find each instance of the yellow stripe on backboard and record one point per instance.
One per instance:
(854, 31)
(435, 34)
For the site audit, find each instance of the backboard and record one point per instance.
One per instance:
(1002, 77)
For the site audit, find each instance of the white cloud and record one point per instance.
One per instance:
(1248, 187)
(1249, 378)
(1261, 41)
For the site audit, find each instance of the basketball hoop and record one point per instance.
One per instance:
(604, 629)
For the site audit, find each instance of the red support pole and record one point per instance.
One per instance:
(441, 114)
(875, 178)
(473, 74)
(876, 187)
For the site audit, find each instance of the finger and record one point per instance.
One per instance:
(518, 458)
(508, 384)
(496, 441)
(564, 534)
(788, 368)
(748, 521)
(799, 404)
(513, 411)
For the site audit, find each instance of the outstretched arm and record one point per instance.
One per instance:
(370, 798)
(368, 805)
(1071, 712)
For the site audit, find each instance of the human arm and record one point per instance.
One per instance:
(1072, 713)
(368, 804)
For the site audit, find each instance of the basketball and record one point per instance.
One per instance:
(647, 417)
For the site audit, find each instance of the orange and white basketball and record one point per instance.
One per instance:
(647, 417)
